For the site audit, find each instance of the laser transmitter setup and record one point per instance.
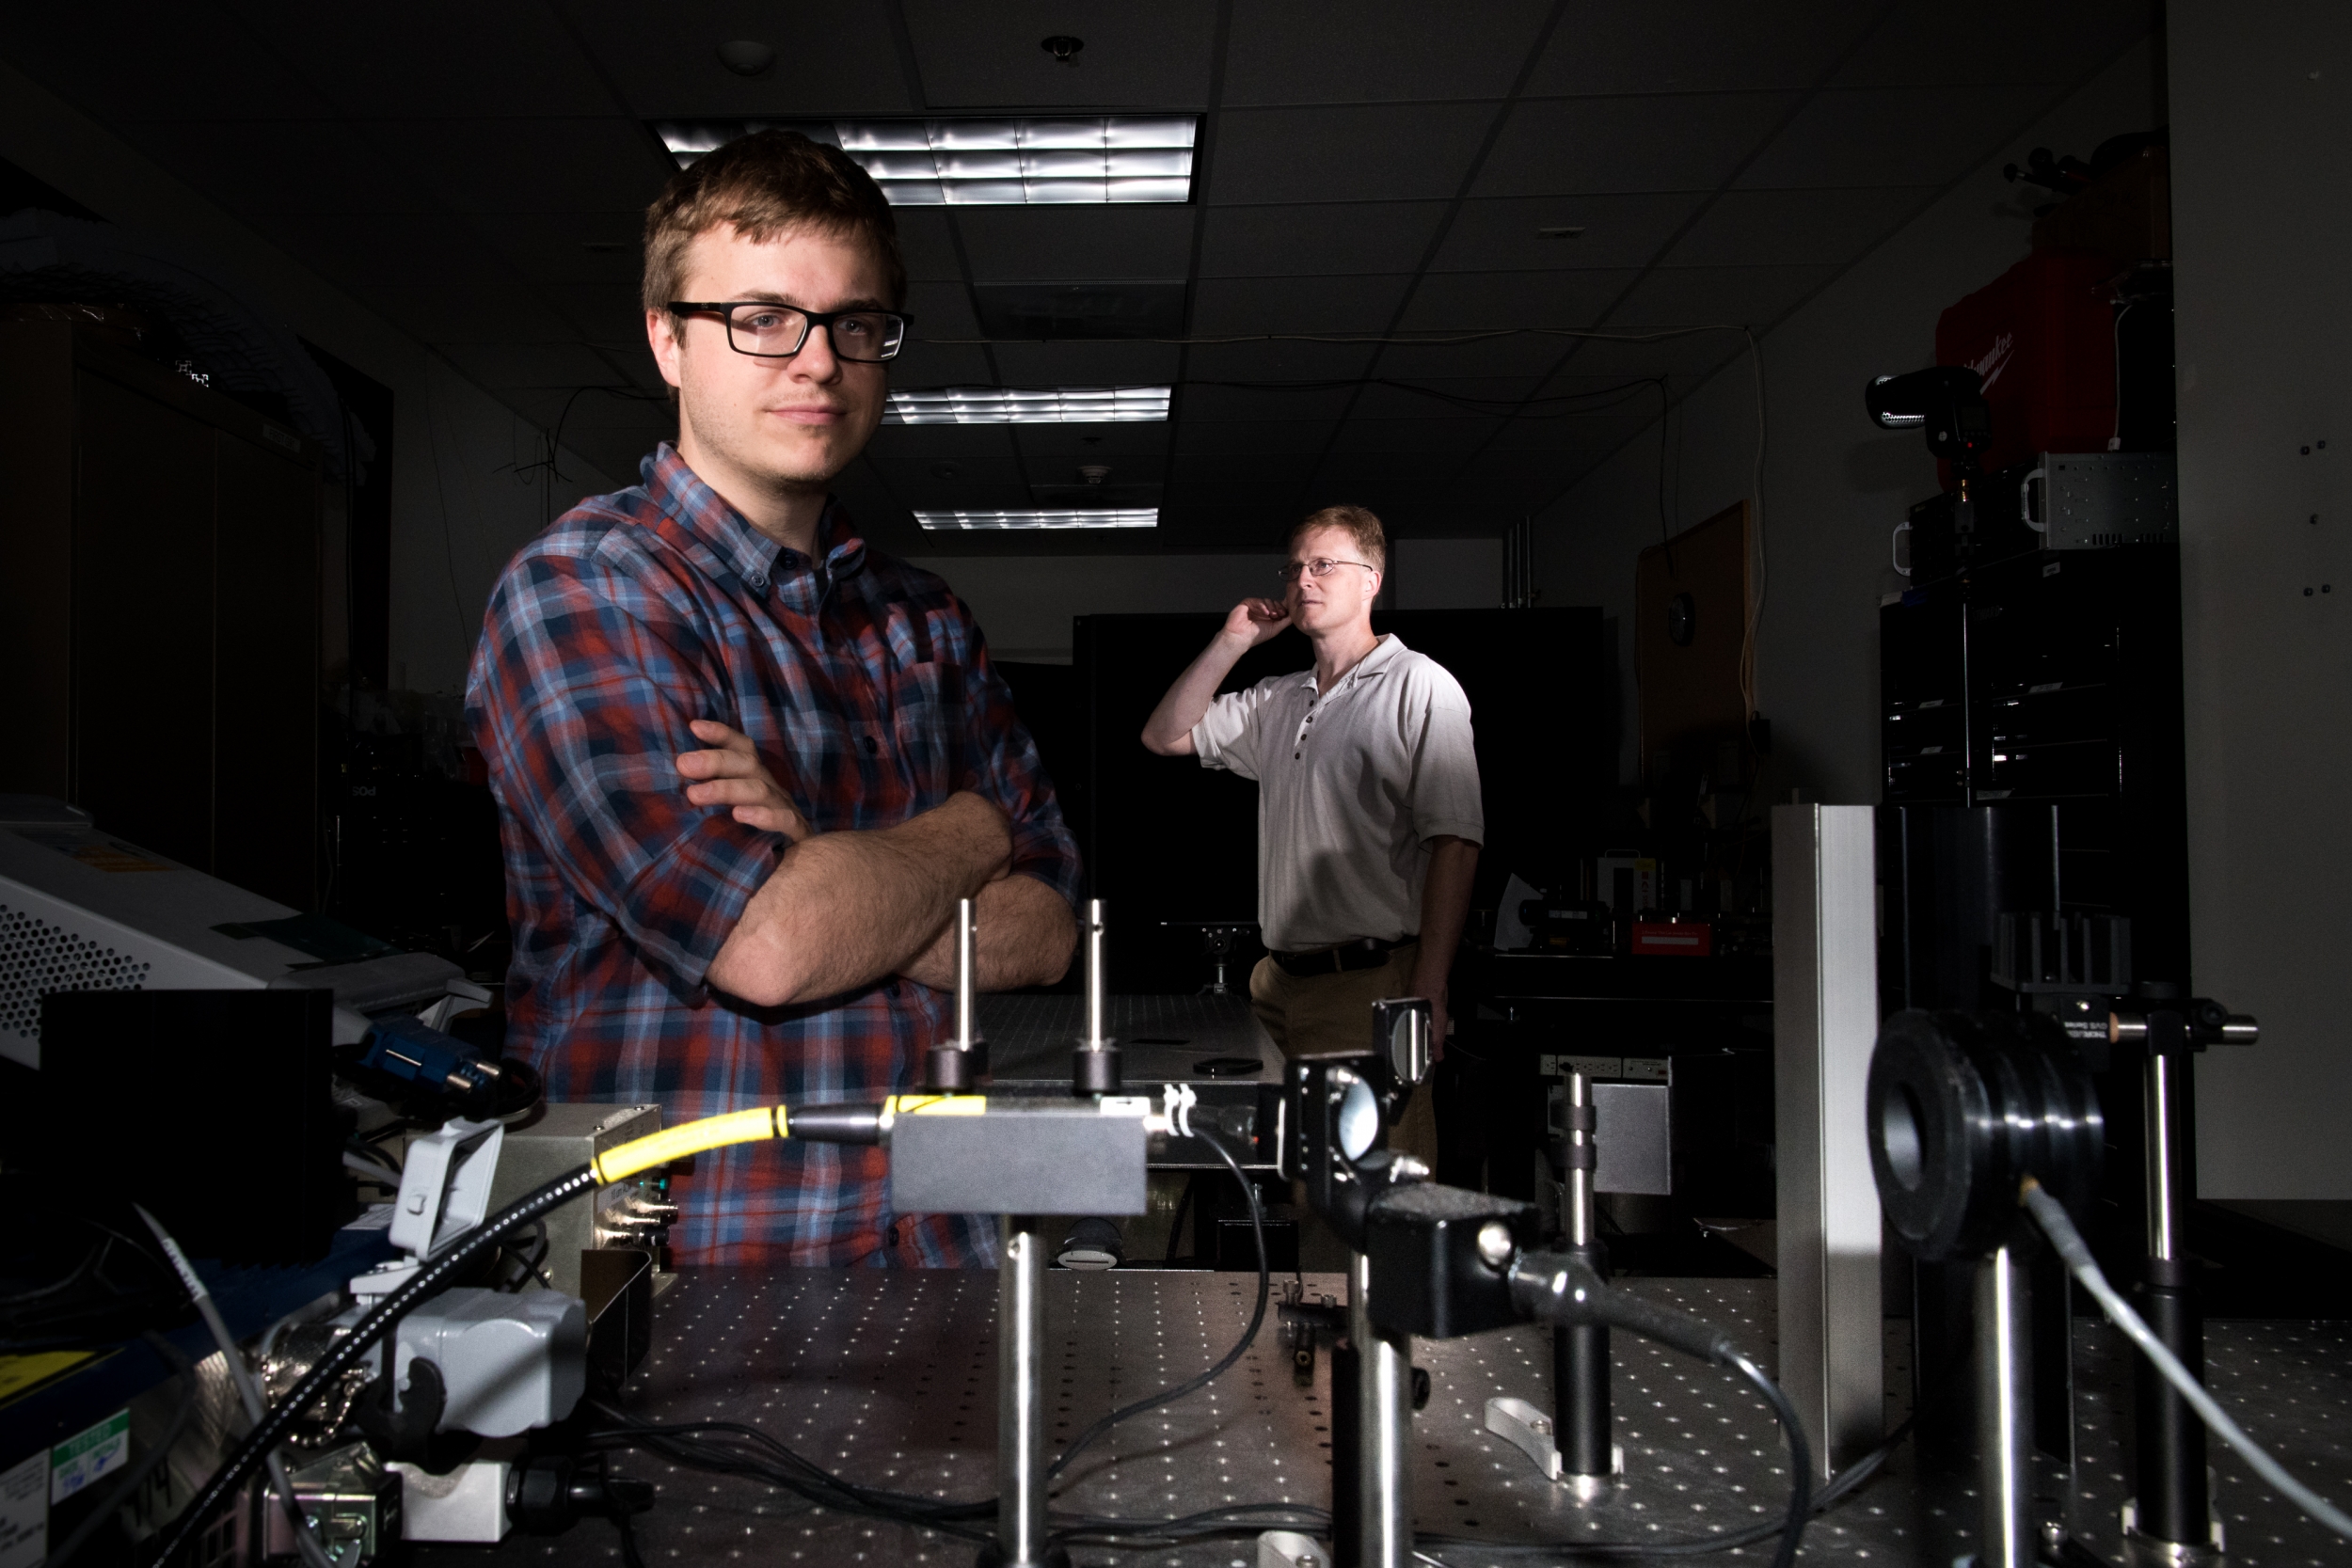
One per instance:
(435, 1396)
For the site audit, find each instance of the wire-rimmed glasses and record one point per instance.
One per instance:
(1320, 567)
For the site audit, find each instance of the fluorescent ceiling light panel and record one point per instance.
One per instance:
(1026, 161)
(1140, 517)
(1024, 405)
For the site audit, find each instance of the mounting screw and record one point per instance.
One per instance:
(1063, 47)
(1494, 1244)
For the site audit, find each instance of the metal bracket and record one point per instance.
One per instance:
(1528, 1429)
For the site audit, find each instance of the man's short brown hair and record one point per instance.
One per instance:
(1372, 540)
(765, 184)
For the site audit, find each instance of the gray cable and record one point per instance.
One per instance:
(2051, 1215)
(248, 1389)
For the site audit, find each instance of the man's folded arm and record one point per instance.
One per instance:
(842, 910)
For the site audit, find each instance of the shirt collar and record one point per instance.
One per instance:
(1383, 654)
(742, 549)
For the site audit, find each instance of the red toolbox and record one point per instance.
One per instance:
(2043, 336)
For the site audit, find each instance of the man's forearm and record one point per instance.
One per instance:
(1026, 936)
(1168, 731)
(1445, 897)
(843, 909)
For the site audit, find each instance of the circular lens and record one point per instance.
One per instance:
(1898, 1134)
(1359, 1120)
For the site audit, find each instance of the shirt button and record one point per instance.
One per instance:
(756, 583)
(872, 746)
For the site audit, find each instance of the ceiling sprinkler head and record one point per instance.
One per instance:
(1063, 47)
(746, 57)
(1094, 473)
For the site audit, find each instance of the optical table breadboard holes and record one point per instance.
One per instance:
(888, 1379)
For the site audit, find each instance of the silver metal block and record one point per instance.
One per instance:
(565, 1137)
(1825, 1024)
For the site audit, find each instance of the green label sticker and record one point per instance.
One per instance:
(80, 1460)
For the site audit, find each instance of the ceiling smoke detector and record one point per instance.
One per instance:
(1094, 473)
(746, 57)
(1063, 47)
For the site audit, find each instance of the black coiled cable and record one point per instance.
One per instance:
(439, 1273)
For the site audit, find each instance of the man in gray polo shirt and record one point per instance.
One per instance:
(1369, 821)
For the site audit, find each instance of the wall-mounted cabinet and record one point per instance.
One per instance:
(159, 558)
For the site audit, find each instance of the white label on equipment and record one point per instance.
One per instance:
(24, 1513)
(78, 1461)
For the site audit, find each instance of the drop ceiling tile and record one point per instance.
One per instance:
(1230, 517)
(188, 61)
(1386, 152)
(1276, 361)
(664, 59)
(927, 364)
(1532, 438)
(1951, 45)
(358, 249)
(1361, 467)
(1520, 353)
(610, 315)
(1026, 245)
(967, 483)
(523, 166)
(1478, 301)
(1204, 406)
(1743, 297)
(989, 55)
(1321, 238)
(500, 367)
(1594, 146)
(1255, 437)
(942, 309)
(1272, 473)
(1433, 433)
(1391, 396)
(459, 312)
(255, 168)
(1748, 228)
(1696, 46)
(1114, 444)
(1893, 136)
(920, 446)
(433, 58)
(1684, 357)
(1231, 306)
(1505, 233)
(1306, 52)
(925, 244)
(568, 248)
(1087, 364)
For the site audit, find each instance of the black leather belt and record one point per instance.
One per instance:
(1369, 953)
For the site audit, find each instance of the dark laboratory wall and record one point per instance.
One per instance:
(1168, 842)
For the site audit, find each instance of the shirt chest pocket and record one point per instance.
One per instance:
(927, 722)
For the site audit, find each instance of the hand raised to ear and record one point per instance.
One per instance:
(731, 774)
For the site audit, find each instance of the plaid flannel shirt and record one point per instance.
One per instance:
(864, 684)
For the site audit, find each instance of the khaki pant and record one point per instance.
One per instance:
(1311, 1013)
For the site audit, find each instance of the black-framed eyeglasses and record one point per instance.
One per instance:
(1320, 567)
(768, 330)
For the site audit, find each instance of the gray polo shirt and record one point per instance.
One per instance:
(1352, 785)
